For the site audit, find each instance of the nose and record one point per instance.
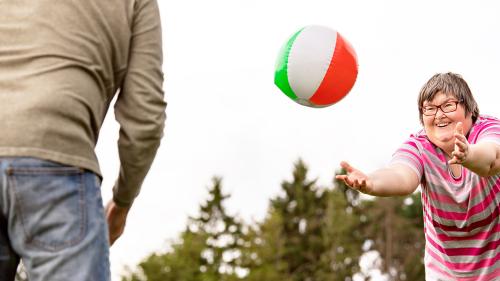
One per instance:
(440, 113)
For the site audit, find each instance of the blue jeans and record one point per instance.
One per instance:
(52, 217)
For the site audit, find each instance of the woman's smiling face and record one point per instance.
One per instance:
(440, 127)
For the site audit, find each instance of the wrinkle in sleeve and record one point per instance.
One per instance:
(140, 106)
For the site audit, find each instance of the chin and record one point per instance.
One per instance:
(444, 135)
(442, 140)
(445, 139)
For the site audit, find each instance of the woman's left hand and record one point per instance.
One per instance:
(461, 151)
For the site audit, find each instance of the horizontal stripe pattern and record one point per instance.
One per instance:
(461, 215)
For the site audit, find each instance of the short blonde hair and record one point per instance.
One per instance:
(450, 84)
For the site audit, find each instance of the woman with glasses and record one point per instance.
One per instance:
(455, 159)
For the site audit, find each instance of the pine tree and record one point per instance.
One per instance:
(210, 249)
(309, 234)
(263, 255)
(302, 209)
(225, 238)
(343, 237)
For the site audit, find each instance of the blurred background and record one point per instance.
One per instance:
(230, 131)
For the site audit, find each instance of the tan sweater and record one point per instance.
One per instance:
(61, 63)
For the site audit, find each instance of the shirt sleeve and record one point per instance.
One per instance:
(409, 155)
(140, 106)
(489, 131)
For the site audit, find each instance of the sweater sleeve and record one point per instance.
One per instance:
(140, 106)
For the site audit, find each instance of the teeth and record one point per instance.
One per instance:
(442, 124)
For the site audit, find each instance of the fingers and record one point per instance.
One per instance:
(341, 177)
(346, 166)
(345, 179)
(458, 156)
(354, 178)
(459, 129)
(455, 160)
(349, 170)
(116, 217)
(349, 182)
(460, 152)
(116, 226)
(461, 142)
(357, 183)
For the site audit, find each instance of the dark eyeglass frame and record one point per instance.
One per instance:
(443, 109)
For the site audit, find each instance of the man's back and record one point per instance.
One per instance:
(61, 62)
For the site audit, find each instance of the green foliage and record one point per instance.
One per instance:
(310, 233)
(302, 210)
(209, 248)
(264, 254)
(396, 226)
(182, 263)
(342, 235)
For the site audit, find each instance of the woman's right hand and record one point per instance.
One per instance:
(355, 179)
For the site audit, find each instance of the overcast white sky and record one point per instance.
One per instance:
(225, 116)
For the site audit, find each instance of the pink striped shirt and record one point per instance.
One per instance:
(461, 214)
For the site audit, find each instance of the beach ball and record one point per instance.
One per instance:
(316, 67)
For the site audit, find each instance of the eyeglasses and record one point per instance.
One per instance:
(447, 107)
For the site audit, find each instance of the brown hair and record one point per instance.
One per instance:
(450, 84)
